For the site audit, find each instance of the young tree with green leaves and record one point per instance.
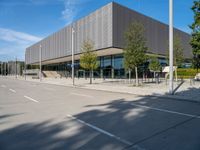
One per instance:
(178, 52)
(135, 48)
(195, 41)
(154, 65)
(88, 58)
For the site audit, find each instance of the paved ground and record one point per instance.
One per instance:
(44, 117)
(185, 90)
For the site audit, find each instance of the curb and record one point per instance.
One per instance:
(174, 97)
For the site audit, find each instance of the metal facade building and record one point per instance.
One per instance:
(105, 27)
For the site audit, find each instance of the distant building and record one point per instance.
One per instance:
(3, 68)
(105, 27)
(11, 68)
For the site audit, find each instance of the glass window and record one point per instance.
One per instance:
(107, 62)
(118, 62)
(101, 62)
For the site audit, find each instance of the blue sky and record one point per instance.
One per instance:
(24, 22)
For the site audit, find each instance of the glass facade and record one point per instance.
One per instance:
(111, 66)
(118, 66)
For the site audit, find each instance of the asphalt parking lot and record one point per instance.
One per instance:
(36, 116)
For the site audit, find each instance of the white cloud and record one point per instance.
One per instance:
(9, 35)
(72, 7)
(13, 43)
(69, 11)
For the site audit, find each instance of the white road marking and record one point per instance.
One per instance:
(77, 94)
(31, 99)
(100, 130)
(167, 111)
(12, 90)
(3, 86)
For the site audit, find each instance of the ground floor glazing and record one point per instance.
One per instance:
(111, 66)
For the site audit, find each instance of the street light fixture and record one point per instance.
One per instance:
(40, 53)
(8, 69)
(1, 69)
(16, 68)
(25, 68)
(72, 55)
(171, 47)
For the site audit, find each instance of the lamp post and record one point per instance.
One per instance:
(25, 67)
(1, 69)
(72, 56)
(171, 47)
(8, 69)
(40, 62)
(16, 68)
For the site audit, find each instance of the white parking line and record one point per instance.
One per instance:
(3, 86)
(77, 94)
(31, 99)
(167, 111)
(100, 130)
(12, 90)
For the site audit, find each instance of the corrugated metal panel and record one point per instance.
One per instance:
(96, 27)
(156, 33)
(105, 27)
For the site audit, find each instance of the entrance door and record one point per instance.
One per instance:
(107, 73)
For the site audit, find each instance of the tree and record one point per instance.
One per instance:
(195, 41)
(154, 66)
(88, 59)
(178, 51)
(135, 48)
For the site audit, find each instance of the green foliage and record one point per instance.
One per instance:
(178, 51)
(135, 49)
(88, 59)
(186, 73)
(195, 41)
(155, 65)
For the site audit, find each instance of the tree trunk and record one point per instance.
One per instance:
(129, 73)
(136, 76)
(154, 74)
(90, 76)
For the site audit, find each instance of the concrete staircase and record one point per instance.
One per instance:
(51, 74)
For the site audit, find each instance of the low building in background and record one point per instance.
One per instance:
(11, 68)
(105, 27)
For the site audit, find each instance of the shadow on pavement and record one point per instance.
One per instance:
(143, 127)
(191, 93)
(3, 118)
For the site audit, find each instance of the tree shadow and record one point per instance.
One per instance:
(3, 118)
(6, 116)
(191, 93)
(30, 136)
(47, 135)
(122, 118)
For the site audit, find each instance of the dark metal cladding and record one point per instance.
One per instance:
(105, 27)
(156, 33)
